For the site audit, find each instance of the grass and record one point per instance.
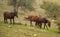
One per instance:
(21, 30)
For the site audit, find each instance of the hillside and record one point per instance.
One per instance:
(22, 30)
(22, 27)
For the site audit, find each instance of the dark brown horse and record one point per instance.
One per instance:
(31, 18)
(41, 20)
(9, 15)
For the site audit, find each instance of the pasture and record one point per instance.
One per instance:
(22, 30)
(22, 27)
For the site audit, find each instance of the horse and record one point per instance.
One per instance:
(41, 20)
(31, 18)
(10, 15)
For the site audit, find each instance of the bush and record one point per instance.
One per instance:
(51, 8)
(58, 23)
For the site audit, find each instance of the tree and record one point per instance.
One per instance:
(27, 4)
(13, 3)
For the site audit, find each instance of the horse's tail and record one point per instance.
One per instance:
(4, 15)
(49, 24)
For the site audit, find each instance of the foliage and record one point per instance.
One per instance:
(27, 4)
(12, 2)
(51, 8)
(58, 23)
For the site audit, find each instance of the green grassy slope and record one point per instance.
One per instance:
(21, 30)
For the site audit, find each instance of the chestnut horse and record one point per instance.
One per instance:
(31, 18)
(9, 15)
(38, 21)
(41, 20)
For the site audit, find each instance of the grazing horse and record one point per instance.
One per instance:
(41, 20)
(10, 15)
(31, 18)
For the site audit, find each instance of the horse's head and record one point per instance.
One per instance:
(47, 21)
(26, 18)
(49, 24)
(16, 14)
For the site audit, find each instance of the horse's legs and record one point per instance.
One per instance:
(13, 21)
(36, 23)
(49, 24)
(5, 20)
(31, 23)
(10, 21)
(40, 25)
(45, 25)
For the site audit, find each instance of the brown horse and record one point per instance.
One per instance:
(38, 21)
(31, 18)
(9, 15)
(41, 20)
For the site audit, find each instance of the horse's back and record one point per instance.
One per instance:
(8, 14)
(32, 17)
(41, 19)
